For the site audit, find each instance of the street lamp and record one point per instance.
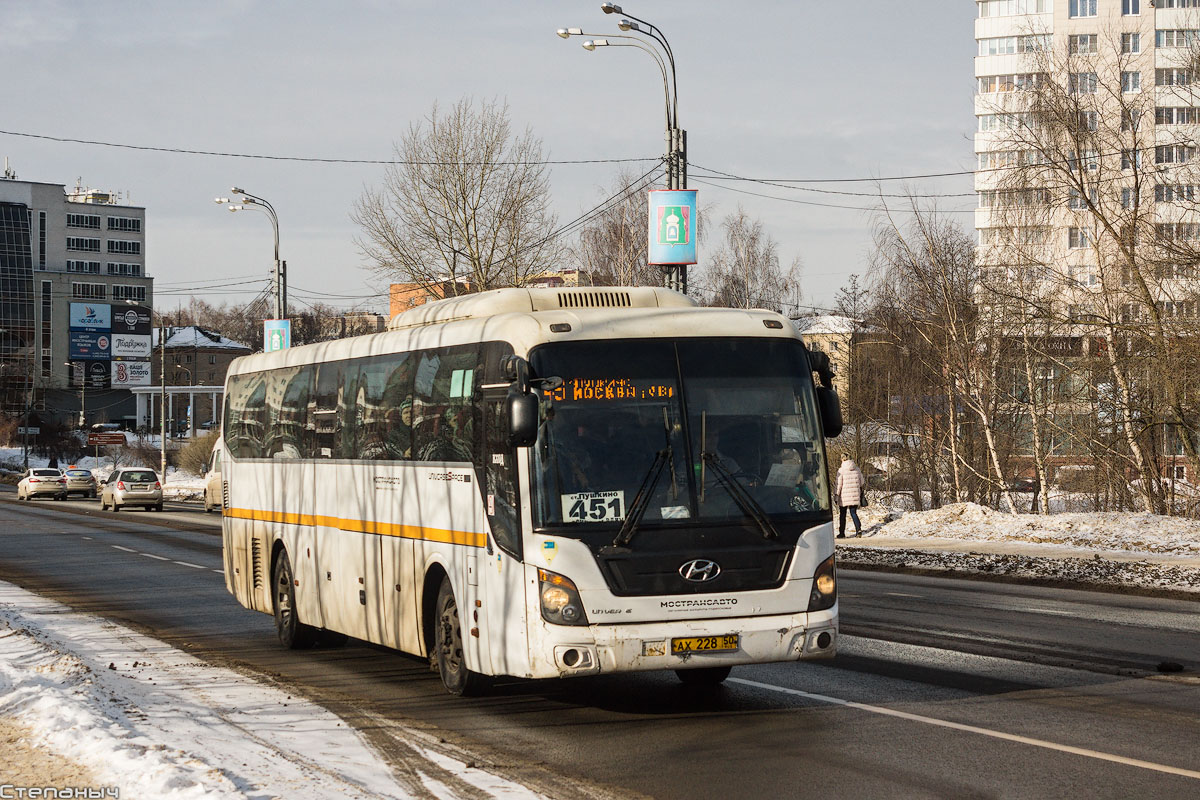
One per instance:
(279, 275)
(676, 137)
(82, 390)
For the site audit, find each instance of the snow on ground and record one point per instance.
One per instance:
(1114, 532)
(1115, 550)
(139, 715)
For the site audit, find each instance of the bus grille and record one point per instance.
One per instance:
(640, 574)
(598, 299)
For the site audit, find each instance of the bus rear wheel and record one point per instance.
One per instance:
(704, 676)
(293, 634)
(452, 667)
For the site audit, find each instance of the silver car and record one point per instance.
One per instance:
(80, 480)
(39, 482)
(132, 486)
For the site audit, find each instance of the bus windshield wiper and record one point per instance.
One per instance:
(641, 501)
(740, 496)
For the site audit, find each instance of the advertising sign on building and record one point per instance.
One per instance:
(91, 317)
(128, 345)
(131, 319)
(97, 375)
(277, 334)
(89, 345)
(130, 373)
(672, 227)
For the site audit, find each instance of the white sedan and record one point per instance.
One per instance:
(42, 481)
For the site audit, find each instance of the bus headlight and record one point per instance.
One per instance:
(824, 586)
(560, 600)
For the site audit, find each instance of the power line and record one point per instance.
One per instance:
(316, 160)
(718, 175)
(808, 202)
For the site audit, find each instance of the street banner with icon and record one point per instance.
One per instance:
(277, 334)
(672, 227)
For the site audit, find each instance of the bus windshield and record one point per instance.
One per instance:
(703, 429)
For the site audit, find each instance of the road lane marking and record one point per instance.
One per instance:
(902, 594)
(187, 564)
(958, 726)
(1056, 612)
(156, 558)
(126, 549)
(87, 538)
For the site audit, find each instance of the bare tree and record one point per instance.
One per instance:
(466, 206)
(927, 268)
(613, 246)
(745, 272)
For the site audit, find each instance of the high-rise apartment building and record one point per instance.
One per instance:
(72, 266)
(1088, 223)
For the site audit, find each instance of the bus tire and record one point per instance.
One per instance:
(448, 647)
(704, 676)
(293, 634)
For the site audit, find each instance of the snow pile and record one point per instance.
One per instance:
(1126, 533)
(155, 722)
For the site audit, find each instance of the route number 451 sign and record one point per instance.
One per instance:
(593, 507)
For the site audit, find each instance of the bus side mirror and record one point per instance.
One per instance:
(831, 411)
(522, 413)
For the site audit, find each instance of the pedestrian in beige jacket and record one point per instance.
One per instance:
(848, 494)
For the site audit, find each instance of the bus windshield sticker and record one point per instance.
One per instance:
(675, 512)
(593, 507)
(783, 475)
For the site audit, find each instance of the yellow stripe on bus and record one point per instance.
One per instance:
(362, 526)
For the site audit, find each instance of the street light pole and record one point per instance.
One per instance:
(675, 158)
(279, 275)
(82, 391)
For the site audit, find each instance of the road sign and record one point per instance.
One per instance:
(28, 431)
(101, 439)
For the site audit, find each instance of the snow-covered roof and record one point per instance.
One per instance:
(828, 324)
(194, 336)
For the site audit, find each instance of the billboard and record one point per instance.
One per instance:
(131, 319)
(130, 373)
(88, 345)
(129, 345)
(672, 227)
(91, 317)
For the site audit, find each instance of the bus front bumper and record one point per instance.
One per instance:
(648, 646)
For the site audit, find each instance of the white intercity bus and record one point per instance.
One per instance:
(540, 483)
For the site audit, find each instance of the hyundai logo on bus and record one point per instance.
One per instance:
(700, 570)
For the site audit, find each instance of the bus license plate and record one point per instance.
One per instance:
(704, 644)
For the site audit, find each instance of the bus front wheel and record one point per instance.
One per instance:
(452, 667)
(293, 634)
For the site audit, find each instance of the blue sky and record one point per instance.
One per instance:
(792, 90)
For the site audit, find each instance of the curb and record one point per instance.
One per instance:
(911, 564)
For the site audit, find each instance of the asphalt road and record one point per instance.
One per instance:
(942, 688)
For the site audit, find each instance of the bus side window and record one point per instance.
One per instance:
(443, 424)
(326, 422)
